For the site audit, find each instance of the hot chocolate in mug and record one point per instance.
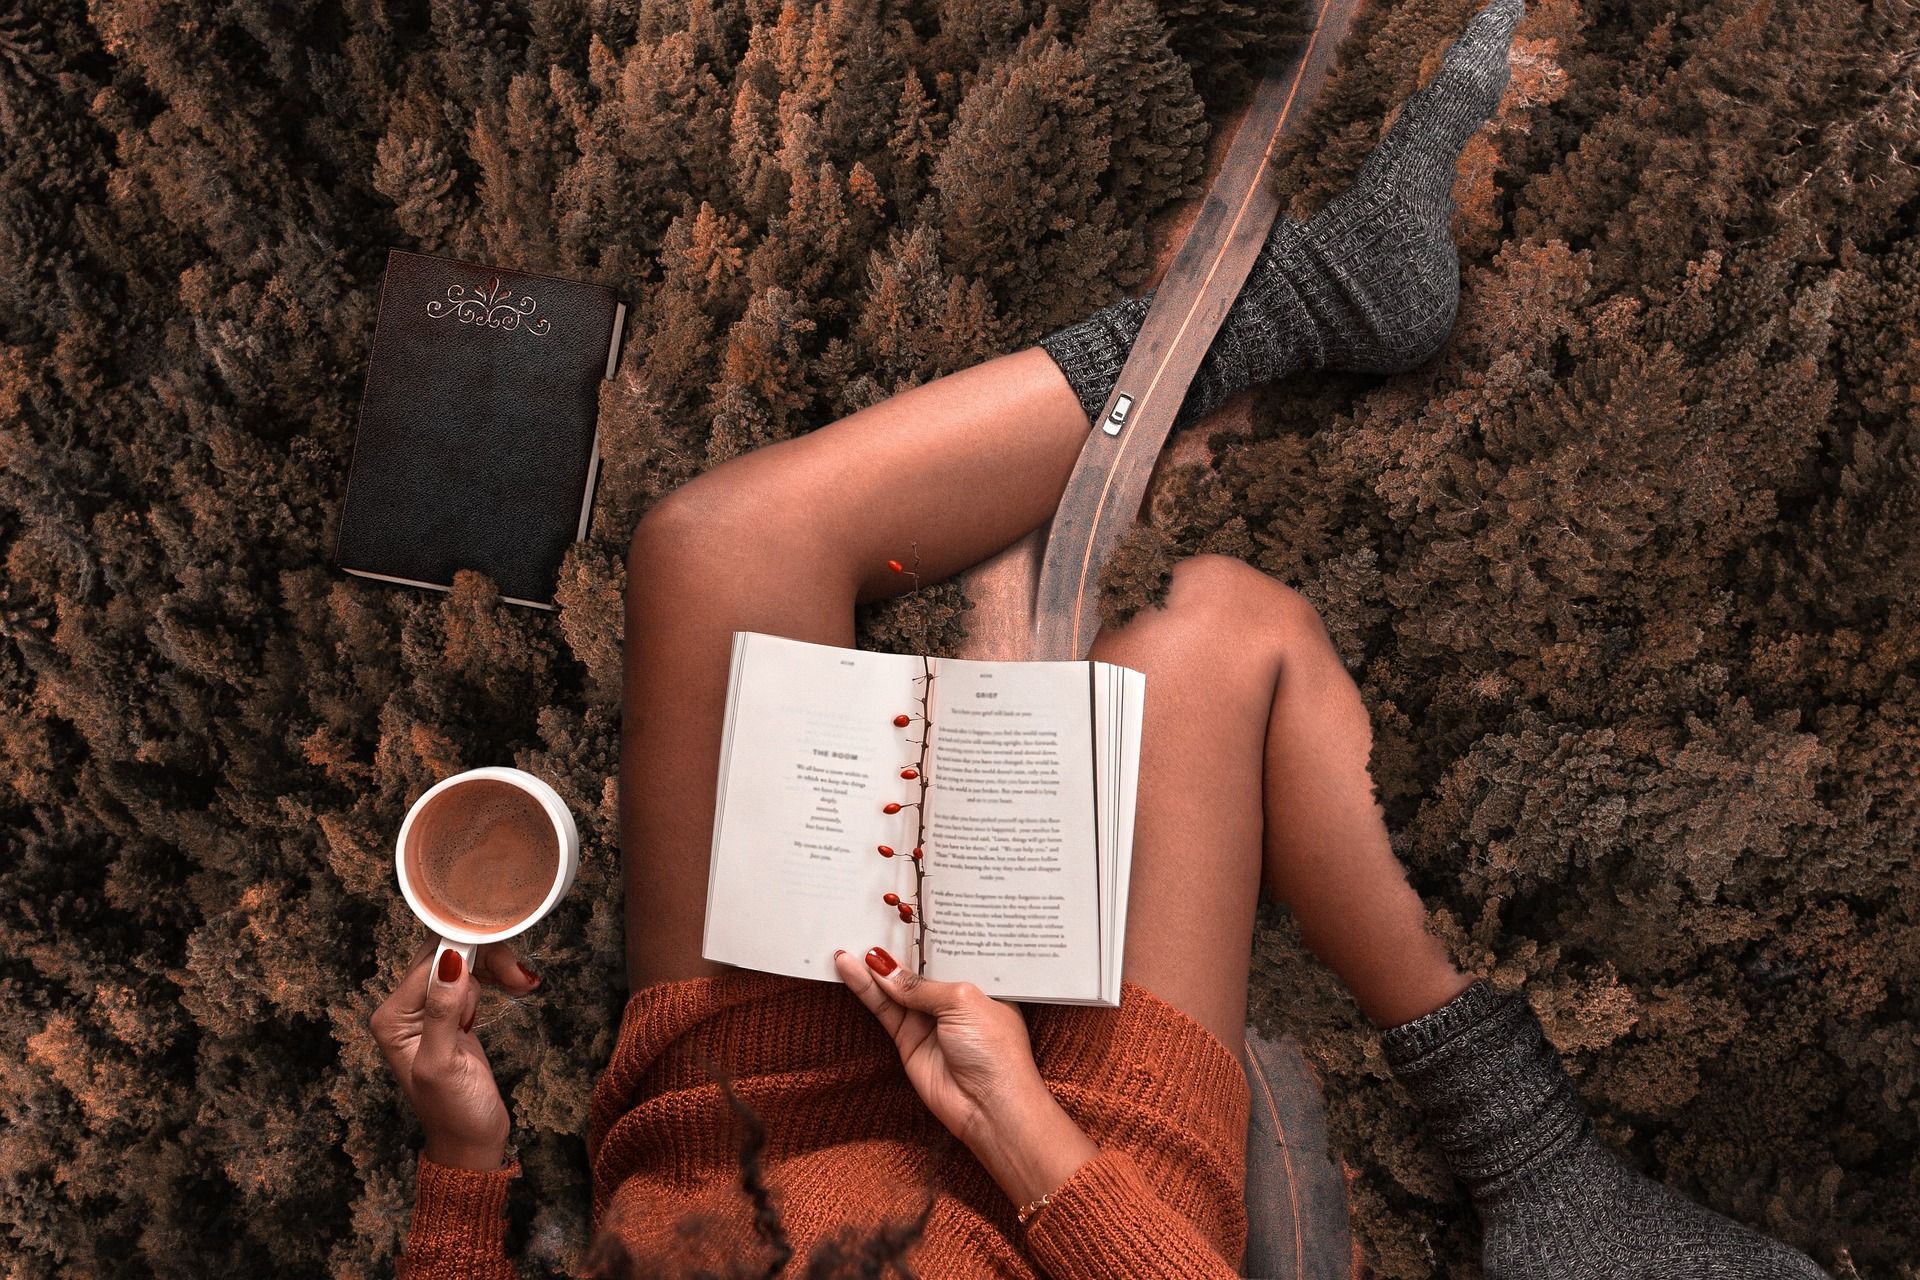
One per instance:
(483, 856)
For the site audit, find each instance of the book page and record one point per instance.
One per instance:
(1013, 894)
(1125, 715)
(809, 756)
(1106, 716)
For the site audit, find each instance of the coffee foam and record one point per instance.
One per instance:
(483, 855)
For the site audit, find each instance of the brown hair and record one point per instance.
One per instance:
(843, 1256)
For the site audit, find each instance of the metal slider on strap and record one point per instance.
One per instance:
(1118, 418)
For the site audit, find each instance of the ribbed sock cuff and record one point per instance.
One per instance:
(1408, 1041)
(1092, 350)
(1491, 1086)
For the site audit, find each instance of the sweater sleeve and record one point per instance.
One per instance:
(1107, 1223)
(459, 1224)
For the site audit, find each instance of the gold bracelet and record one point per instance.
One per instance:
(1029, 1211)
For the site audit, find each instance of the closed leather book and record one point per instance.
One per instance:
(478, 442)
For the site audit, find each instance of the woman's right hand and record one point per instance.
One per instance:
(425, 1031)
(968, 1057)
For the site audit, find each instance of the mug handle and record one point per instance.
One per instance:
(466, 950)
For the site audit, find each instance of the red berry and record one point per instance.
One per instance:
(886, 851)
(891, 899)
(909, 773)
(906, 912)
(903, 721)
(916, 853)
(892, 808)
(896, 566)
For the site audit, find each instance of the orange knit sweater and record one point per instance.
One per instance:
(850, 1144)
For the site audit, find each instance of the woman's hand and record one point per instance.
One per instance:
(425, 1030)
(968, 1057)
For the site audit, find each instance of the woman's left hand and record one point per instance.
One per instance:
(425, 1031)
(969, 1058)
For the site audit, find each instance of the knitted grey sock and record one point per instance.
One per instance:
(1556, 1203)
(1370, 284)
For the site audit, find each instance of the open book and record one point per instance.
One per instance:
(1025, 819)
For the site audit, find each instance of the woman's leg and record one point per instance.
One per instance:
(1327, 852)
(786, 539)
(1253, 774)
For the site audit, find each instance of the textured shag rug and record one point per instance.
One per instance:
(1627, 574)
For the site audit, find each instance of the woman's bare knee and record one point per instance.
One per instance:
(1217, 600)
(673, 526)
(718, 523)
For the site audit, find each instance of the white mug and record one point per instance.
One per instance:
(466, 941)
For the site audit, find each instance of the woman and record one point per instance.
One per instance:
(1084, 1142)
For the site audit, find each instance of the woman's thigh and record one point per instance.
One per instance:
(1212, 659)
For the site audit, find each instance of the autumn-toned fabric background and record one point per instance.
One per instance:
(1627, 574)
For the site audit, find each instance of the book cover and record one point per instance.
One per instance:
(478, 440)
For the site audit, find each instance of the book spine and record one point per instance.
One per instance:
(928, 680)
(593, 457)
(613, 344)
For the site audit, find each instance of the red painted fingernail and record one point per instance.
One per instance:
(450, 966)
(527, 973)
(842, 951)
(468, 1024)
(880, 962)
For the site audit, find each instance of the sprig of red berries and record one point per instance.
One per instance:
(912, 912)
